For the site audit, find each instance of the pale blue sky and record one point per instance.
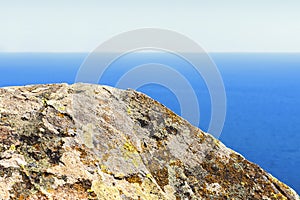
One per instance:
(80, 26)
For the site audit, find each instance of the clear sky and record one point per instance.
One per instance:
(218, 26)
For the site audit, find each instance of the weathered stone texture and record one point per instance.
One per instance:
(96, 142)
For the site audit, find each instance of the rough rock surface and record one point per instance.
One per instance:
(94, 142)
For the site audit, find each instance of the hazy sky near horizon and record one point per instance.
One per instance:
(218, 26)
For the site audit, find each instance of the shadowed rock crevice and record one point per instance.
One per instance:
(86, 141)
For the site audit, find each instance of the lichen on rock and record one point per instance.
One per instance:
(87, 141)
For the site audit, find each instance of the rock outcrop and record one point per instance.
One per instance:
(96, 142)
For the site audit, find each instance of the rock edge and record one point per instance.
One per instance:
(84, 141)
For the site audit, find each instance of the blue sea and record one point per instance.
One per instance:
(262, 89)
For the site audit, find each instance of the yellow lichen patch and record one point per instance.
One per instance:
(128, 110)
(129, 147)
(105, 170)
(149, 176)
(12, 147)
(24, 169)
(104, 191)
(62, 108)
(44, 101)
(90, 190)
(130, 153)
(216, 142)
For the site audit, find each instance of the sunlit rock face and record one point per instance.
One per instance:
(86, 141)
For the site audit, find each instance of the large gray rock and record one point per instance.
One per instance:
(94, 142)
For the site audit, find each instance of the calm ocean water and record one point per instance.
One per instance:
(263, 98)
